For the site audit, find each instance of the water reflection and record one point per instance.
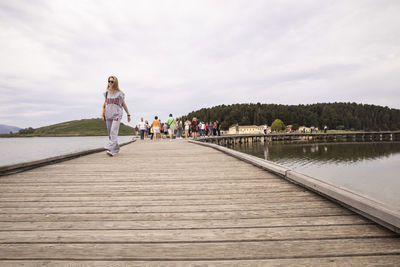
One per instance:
(324, 152)
(369, 168)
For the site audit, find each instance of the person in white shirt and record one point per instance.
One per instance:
(187, 127)
(142, 128)
(202, 128)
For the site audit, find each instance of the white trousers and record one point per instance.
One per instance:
(113, 128)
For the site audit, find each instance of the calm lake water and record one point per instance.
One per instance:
(372, 169)
(18, 150)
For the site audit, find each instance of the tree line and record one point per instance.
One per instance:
(351, 116)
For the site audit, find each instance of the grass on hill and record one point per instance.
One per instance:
(85, 127)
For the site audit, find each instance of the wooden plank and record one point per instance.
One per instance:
(120, 202)
(203, 250)
(164, 216)
(126, 168)
(134, 189)
(185, 224)
(57, 171)
(133, 192)
(156, 197)
(142, 183)
(155, 187)
(176, 208)
(92, 180)
(386, 260)
(195, 235)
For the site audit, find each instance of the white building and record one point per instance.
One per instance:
(248, 129)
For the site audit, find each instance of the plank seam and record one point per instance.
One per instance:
(212, 241)
(205, 259)
(188, 228)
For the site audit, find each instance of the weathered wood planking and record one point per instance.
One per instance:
(185, 224)
(177, 204)
(193, 234)
(173, 216)
(203, 250)
(393, 260)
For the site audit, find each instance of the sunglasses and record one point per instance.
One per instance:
(110, 81)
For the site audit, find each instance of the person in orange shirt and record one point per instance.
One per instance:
(156, 127)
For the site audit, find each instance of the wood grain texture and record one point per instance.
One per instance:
(385, 260)
(177, 204)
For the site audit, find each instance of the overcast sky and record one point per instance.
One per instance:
(179, 56)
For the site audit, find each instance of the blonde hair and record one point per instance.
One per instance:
(114, 86)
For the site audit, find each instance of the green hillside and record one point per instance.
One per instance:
(85, 127)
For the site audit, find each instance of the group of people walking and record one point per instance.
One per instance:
(199, 128)
(176, 127)
(157, 129)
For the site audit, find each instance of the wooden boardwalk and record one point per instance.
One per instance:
(177, 204)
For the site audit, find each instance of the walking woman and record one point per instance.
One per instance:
(114, 102)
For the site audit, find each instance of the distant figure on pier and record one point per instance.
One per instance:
(165, 129)
(237, 128)
(207, 128)
(161, 128)
(171, 127)
(215, 128)
(136, 130)
(265, 129)
(179, 128)
(156, 127)
(218, 128)
(142, 128)
(202, 128)
(210, 126)
(114, 102)
(194, 127)
(187, 128)
(325, 128)
(146, 134)
(151, 133)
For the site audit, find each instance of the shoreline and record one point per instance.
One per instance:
(57, 135)
(17, 135)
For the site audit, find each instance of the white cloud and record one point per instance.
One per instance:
(178, 56)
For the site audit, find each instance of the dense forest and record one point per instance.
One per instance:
(351, 116)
